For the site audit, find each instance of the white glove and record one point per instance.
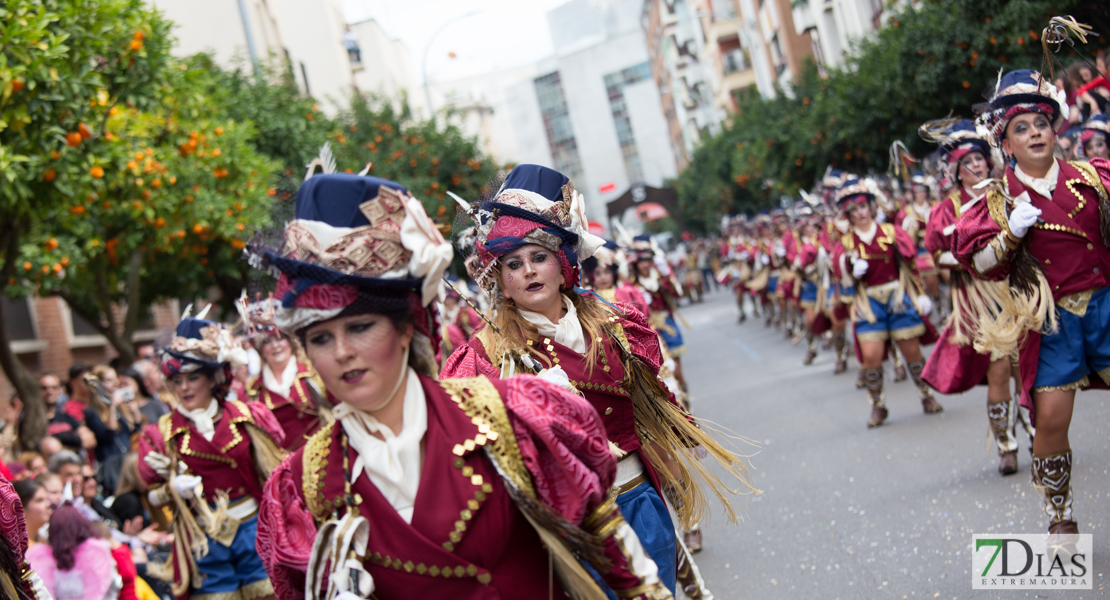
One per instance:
(859, 268)
(948, 259)
(924, 305)
(161, 464)
(1023, 217)
(798, 262)
(557, 376)
(744, 256)
(780, 251)
(766, 260)
(185, 485)
(908, 222)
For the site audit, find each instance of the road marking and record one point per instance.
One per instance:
(751, 352)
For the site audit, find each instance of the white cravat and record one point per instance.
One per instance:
(394, 462)
(649, 283)
(1044, 186)
(202, 418)
(567, 332)
(867, 236)
(283, 387)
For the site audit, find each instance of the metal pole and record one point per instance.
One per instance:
(427, 47)
(250, 38)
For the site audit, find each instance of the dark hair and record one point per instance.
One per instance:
(75, 372)
(63, 458)
(68, 530)
(26, 489)
(134, 374)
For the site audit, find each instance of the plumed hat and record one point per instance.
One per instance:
(202, 345)
(1018, 92)
(535, 205)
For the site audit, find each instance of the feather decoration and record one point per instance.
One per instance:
(939, 131)
(326, 162)
(462, 203)
(898, 154)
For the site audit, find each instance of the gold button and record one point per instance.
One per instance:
(609, 410)
(1090, 246)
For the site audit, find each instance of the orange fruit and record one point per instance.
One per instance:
(49, 175)
(52, 244)
(77, 210)
(97, 172)
(84, 130)
(54, 154)
(73, 139)
(139, 35)
(136, 45)
(198, 228)
(219, 131)
(17, 86)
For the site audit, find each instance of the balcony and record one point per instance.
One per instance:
(735, 61)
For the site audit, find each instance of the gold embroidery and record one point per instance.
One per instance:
(1082, 200)
(479, 399)
(1082, 383)
(1092, 178)
(1061, 228)
(314, 461)
(1076, 303)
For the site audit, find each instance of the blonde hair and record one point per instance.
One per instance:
(129, 480)
(515, 331)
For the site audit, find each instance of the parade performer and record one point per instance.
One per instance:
(652, 276)
(1095, 136)
(424, 488)
(17, 580)
(287, 385)
(955, 366)
(1046, 227)
(208, 461)
(603, 274)
(878, 260)
(458, 320)
(914, 218)
(531, 237)
(837, 299)
(807, 263)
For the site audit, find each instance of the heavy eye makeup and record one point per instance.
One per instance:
(514, 263)
(324, 337)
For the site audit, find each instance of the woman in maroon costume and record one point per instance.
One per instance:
(288, 386)
(17, 580)
(955, 365)
(420, 488)
(530, 237)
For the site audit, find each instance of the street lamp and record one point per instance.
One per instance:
(427, 47)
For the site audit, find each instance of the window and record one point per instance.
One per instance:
(556, 120)
(614, 86)
(735, 61)
(18, 319)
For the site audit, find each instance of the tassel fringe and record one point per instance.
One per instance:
(663, 426)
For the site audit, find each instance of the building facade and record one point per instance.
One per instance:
(593, 110)
(834, 24)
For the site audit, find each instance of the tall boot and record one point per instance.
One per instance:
(873, 381)
(1052, 476)
(839, 345)
(1004, 429)
(811, 352)
(928, 402)
(899, 363)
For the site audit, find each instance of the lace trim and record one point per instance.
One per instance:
(314, 461)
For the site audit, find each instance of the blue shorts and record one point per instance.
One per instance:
(228, 569)
(1080, 347)
(646, 512)
(809, 294)
(891, 321)
(675, 345)
(773, 284)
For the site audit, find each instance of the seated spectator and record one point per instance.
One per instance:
(37, 507)
(75, 564)
(150, 409)
(35, 463)
(90, 497)
(155, 382)
(53, 486)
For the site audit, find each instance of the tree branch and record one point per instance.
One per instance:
(33, 427)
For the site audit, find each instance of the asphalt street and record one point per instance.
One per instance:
(847, 512)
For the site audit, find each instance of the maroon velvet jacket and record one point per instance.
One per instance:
(880, 253)
(225, 463)
(604, 388)
(467, 539)
(951, 368)
(1068, 243)
(298, 415)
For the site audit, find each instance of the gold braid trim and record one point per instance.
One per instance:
(660, 424)
(314, 461)
(479, 400)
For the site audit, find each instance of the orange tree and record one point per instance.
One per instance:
(163, 213)
(64, 66)
(427, 158)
